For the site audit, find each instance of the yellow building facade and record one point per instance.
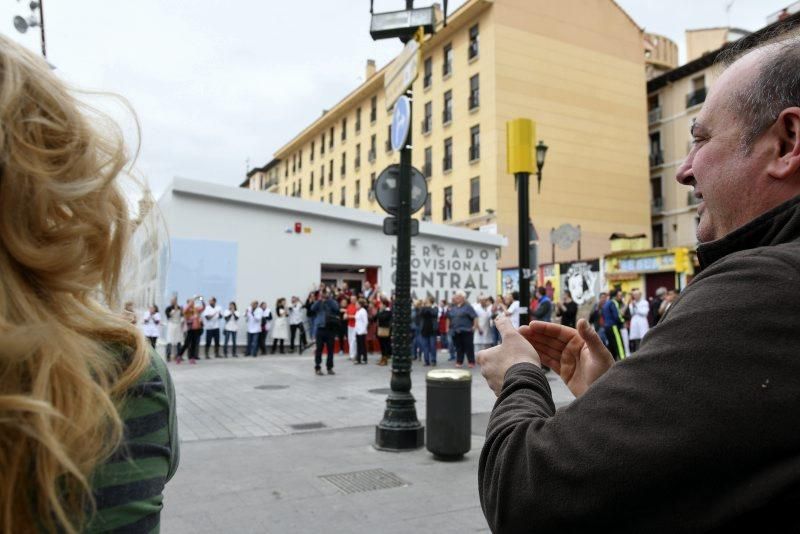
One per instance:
(575, 67)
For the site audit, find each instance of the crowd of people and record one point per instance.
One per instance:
(359, 321)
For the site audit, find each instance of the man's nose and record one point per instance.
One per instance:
(685, 174)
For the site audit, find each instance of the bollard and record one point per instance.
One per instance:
(448, 413)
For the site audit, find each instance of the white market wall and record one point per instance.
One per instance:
(233, 243)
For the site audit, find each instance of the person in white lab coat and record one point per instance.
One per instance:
(639, 309)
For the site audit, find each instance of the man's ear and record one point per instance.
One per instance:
(786, 133)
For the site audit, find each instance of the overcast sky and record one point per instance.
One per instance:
(213, 86)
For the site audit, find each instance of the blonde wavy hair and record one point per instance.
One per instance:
(66, 359)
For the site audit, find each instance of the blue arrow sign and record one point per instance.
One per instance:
(401, 122)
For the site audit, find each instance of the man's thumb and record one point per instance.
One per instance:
(591, 338)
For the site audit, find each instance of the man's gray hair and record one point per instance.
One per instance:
(775, 87)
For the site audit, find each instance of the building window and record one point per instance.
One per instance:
(427, 76)
(373, 110)
(475, 143)
(474, 43)
(658, 236)
(427, 169)
(358, 156)
(322, 144)
(372, 179)
(330, 172)
(299, 188)
(447, 161)
(311, 183)
(330, 139)
(344, 164)
(373, 141)
(447, 113)
(357, 197)
(474, 92)
(656, 198)
(388, 138)
(286, 170)
(322, 177)
(447, 207)
(427, 121)
(447, 66)
(427, 210)
(342, 201)
(311, 154)
(330, 198)
(656, 154)
(344, 129)
(653, 109)
(358, 120)
(474, 196)
(294, 163)
(698, 94)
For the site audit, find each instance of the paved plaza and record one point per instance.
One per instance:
(262, 437)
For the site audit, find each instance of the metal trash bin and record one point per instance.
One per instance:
(449, 413)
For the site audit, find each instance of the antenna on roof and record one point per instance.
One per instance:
(371, 6)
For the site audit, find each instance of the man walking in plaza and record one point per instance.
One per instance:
(326, 318)
(211, 317)
(462, 321)
(698, 433)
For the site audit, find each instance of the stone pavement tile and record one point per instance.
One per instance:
(272, 485)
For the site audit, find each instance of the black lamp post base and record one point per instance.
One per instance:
(394, 439)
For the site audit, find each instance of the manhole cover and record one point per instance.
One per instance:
(308, 426)
(381, 391)
(361, 481)
(271, 387)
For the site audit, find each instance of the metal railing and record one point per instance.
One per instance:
(656, 158)
(696, 97)
(654, 116)
(657, 204)
(474, 152)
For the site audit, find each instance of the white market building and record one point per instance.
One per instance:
(242, 245)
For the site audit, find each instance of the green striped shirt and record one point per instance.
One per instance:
(129, 487)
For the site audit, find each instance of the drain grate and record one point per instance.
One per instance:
(361, 481)
(308, 426)
(381, 391)
(271, 387)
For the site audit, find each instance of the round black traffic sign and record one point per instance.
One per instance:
(387, 191)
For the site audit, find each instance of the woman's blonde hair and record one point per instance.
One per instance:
(66, 359)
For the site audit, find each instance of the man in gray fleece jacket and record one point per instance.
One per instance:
(700, 432)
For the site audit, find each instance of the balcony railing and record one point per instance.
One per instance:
(371, 155)
(427, 170)
(474, 101)
(426, 125)
(696, 97)
(474, 152)
(657, 204)
(656, 158)
(447, 163)
(692, 200)
(654, 116)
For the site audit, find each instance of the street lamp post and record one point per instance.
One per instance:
(520, 134)
(400, 429)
